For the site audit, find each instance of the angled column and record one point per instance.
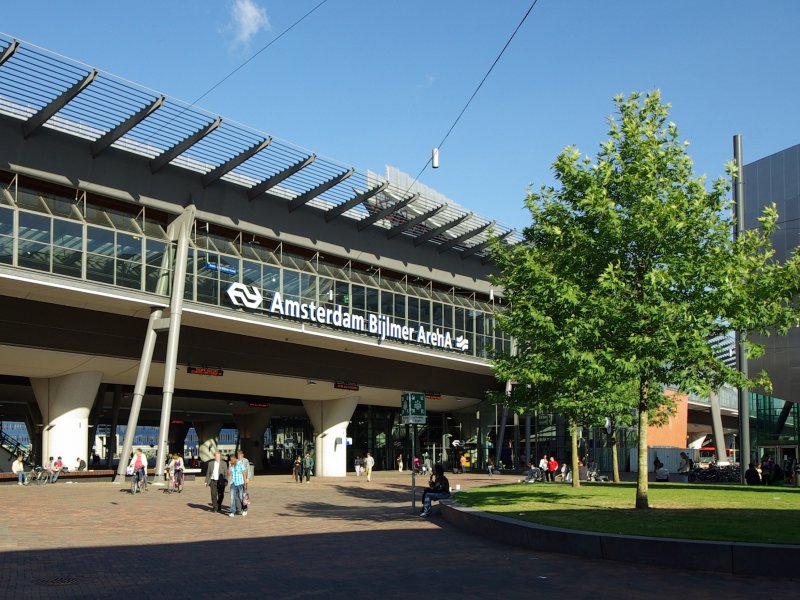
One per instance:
(251, 428)
(330, 419)
(65, 403)
(179, 229)
(716, 427)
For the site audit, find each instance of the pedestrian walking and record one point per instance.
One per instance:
(238, 479)
(369, 462)
(308, 466)
(215, 479)
(357, 464)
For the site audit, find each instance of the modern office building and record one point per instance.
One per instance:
(775, 417)
(163, 266)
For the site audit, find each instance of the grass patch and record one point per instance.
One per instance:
(762, 514)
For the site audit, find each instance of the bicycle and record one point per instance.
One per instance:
(138, 482)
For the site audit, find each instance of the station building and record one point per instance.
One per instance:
(163, 266)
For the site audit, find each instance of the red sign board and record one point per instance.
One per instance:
(346, 385)
(258, 404)
(203, 370)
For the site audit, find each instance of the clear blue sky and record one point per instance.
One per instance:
(370, 83)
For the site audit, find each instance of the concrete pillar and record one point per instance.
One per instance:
(251, 428)
(176, 437)
(207, 436)
(65, 403)
(330, 419)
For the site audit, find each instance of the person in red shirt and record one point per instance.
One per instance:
(552, 468)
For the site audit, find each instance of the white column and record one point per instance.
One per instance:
(330, 419)
(65, 403)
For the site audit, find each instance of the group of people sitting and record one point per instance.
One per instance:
(50, 470)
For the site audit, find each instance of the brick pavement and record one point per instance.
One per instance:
(332, 538)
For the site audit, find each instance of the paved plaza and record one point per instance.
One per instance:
(331, 538)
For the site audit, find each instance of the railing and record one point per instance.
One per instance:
(12, 445)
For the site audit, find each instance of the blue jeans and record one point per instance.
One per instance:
(21, 477)
(431, 496)
(54, 475)
(237, 493)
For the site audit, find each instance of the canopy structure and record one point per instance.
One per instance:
(43, 89)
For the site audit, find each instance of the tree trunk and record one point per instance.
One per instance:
(614, 454)
(641, 480)
(574, 468)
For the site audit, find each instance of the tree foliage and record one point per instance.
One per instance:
(626, 271)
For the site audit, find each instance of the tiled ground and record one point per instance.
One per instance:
(332, 538)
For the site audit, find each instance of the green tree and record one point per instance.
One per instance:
(629, 267)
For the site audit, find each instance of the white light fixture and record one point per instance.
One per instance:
(491, 294)
(435, 158)
(330, 295)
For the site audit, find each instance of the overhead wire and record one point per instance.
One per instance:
(475, 93)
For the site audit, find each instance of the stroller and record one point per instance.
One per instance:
(594, 475)
(533, 475)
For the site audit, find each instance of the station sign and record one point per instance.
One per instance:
(381, 326)
(412, 408)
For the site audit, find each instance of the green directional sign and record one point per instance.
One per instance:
(412, 406)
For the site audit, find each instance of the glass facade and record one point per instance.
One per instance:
(102, 242)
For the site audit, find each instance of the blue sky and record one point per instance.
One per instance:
(372, 82)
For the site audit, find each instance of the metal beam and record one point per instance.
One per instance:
(44, 115)
(385, 212)
(309, 195)
(9, 52)
(230, 165)
(398, 229)
(464, 236)
(112, 136)
(478, 247)
(342, 208)
(262, 187)
(163, 159)
(429, 235)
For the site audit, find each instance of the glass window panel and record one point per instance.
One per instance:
(459, 321)
(413, 308)
(100, 241)
(100, 268)
(129, 274)
(438, 316)
(155, 252)
(6, 249)
(34, 227)
(129, 247)
(251, 273)
(326, 290)
(67, 261)
(291, 283)
(271, 278)
(447, 313)
(387, 303)
(207, 290)
(68, 234)
(157, 281)
(425, 311)
(33, 255)
(372, 300)
(400, 306)
(343, 293)
(308, 286)
(6, 221)
(359, 297)
(479, 317)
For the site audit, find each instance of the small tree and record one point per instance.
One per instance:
(628, 269)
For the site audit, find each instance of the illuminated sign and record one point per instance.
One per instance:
(346, 385)
(258, 404)
(203, 370)
(379, 325)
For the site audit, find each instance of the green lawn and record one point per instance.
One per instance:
(760, 514)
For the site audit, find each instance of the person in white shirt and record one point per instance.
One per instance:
(18, 467)
(369, 462)
(215, 479)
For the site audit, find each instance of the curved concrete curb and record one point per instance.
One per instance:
(725, 557)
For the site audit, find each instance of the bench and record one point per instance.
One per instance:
(98, 474)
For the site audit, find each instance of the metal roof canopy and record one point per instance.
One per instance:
(44, 89)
